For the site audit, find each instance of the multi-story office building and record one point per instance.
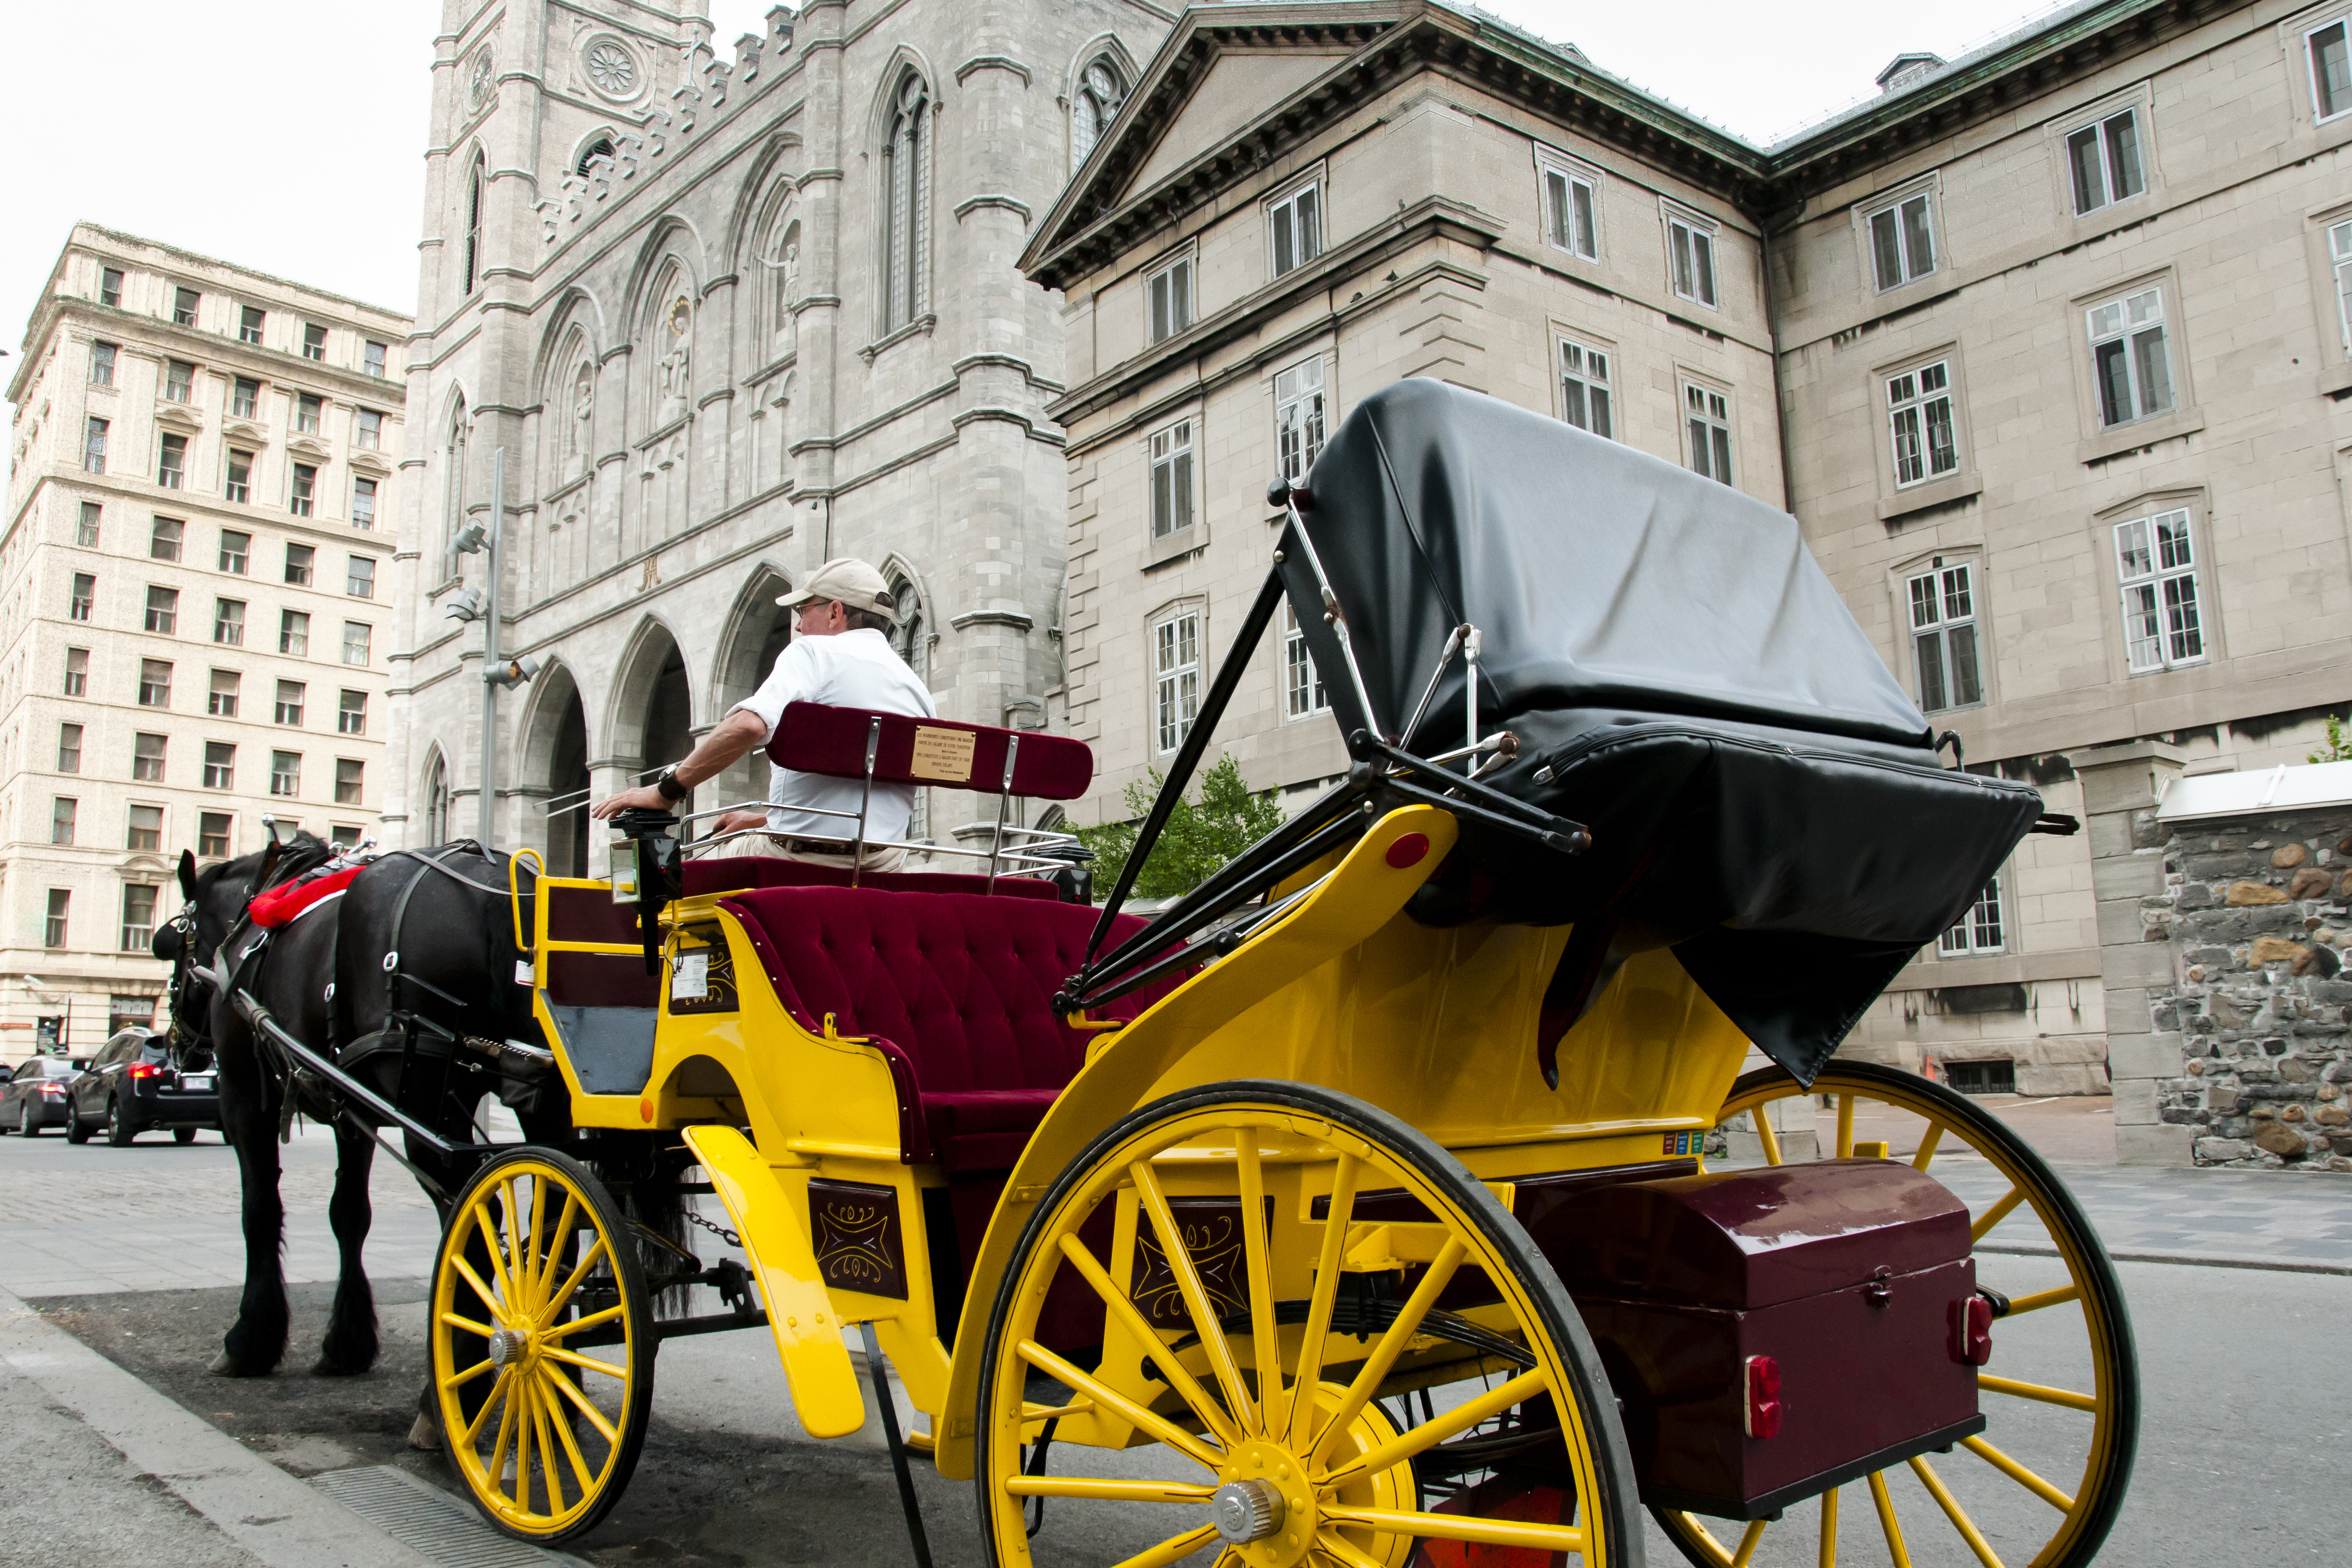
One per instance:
(2047, 348)
(195, 627)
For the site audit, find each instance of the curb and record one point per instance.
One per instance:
(269, 1513)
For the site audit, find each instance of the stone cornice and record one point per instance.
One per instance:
(167, 339)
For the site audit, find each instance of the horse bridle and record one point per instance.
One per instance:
(181, 1035)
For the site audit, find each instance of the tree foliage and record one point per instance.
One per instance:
(1201, 834)
(2337, 749)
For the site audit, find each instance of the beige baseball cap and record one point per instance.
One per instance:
(848, 579)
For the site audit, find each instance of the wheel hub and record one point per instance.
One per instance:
(506, 1345)
(1247, 1510)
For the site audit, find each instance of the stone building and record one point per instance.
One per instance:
(2045, 348)
(728, 317)
(197, 622)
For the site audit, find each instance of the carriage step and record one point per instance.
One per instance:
(437, 1527)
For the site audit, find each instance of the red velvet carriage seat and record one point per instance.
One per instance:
(955, 989)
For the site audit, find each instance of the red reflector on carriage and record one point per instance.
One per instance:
(1972, 1331)
(1763, 1396)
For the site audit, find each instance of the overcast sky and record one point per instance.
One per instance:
(288, 135)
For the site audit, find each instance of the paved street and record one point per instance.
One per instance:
(134, 1254)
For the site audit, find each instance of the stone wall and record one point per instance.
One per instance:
(2258, 913)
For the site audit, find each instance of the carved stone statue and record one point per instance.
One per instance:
(583, 416)
(672, 371)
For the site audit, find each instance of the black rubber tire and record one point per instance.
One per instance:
(77, 1130)
(120, 1128)
(183, 1135)
(27, 1122)
(2103, 1292)
(1616, 1496)
(630, 1272)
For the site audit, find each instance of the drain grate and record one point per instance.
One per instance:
(430, 1523)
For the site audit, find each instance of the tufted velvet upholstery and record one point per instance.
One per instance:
(728, 873)
(955, 988)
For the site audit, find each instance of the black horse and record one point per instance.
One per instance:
(408, 982)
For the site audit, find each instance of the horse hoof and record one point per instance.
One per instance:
(328, 1366)
(227, 1366)
(426, 1434)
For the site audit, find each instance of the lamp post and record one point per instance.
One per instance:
(482, 604)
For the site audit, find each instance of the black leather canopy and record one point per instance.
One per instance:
(1682, 677)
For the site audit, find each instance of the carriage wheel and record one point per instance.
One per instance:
(1369, 1427)
(2042, 1484)
(542, 1345)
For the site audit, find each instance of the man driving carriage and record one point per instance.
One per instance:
(840, 655)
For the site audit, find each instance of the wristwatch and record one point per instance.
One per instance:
(667, 783)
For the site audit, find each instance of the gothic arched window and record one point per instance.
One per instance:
(784, 277)
(437, 801)
(452, 507)
(599, 148)
(473, 225)
(906, 205)
(1095, 106)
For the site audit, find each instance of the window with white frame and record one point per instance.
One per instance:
(1706, 414)
(1175, 677)
(1903, 241)
(2130, 361)
(1980, 930)
(1294, 227)
(2104, 161)
(1944, 648)
(1171, 290)
(2331, 69)
(1587, 392)
(1919, 419)
(1299, 421)
(1571, 209)
(2156, 566)
(1690, 251)
(1171, 479)
(2339, 257)
(1302, 683)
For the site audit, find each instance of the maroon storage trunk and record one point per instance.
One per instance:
(1844, 1273)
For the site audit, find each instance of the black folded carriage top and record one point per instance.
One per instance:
(1681, 677)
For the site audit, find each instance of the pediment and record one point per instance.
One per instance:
(1239, 87)
(178, 416)
(368, 463)
(308, 447)
(244, 432)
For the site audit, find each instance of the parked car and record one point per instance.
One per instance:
(36, 1096)
(132, 1087)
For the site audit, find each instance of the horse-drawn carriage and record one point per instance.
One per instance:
(1355, 1208)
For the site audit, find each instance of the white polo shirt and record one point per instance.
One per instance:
(848, 669)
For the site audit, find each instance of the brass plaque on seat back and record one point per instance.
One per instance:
(944, 755)
(859, 1245)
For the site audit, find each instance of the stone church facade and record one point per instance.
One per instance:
(729, 314)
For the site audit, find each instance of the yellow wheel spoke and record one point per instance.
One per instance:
(457, 1321)
(1886, 1520)
(2071, 1400)
(1127, 1410)
(1257, 1267)
(526, 1417)
(1996, 1214)
(1331, 1544)
(1175, 1549)
(1748, 1540)
(496, 1466)
(1461, 1527)
(2018, 1473)
(595, 1418)
(489, 1298)
(585, 1362)
(560, 1331)
(1766, 1135)
(1326, 1293)
(554, 1254)
(1213, 1343)
(459, 1379)
(1829, 1528)
(517, 1230)
(550, 1482)
(1188, 1388)
(1845, 1126)
(494, 1400)
(1699, 1536)
(572, 1281)
(498, 1260)
(1460, 1418)
(563, 1432)
(1391, 1345)
(2041, 1299)
(1927, 1146)
(1103, 1490)
(1952, 1510)
(530, 1272)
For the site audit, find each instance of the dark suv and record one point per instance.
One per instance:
(131, 1088)
(36, 1095)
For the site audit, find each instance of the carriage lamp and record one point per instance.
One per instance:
(465, 604)
(1761, 1415)
(1971, 1319)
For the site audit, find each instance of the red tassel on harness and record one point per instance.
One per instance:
(279, 905)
